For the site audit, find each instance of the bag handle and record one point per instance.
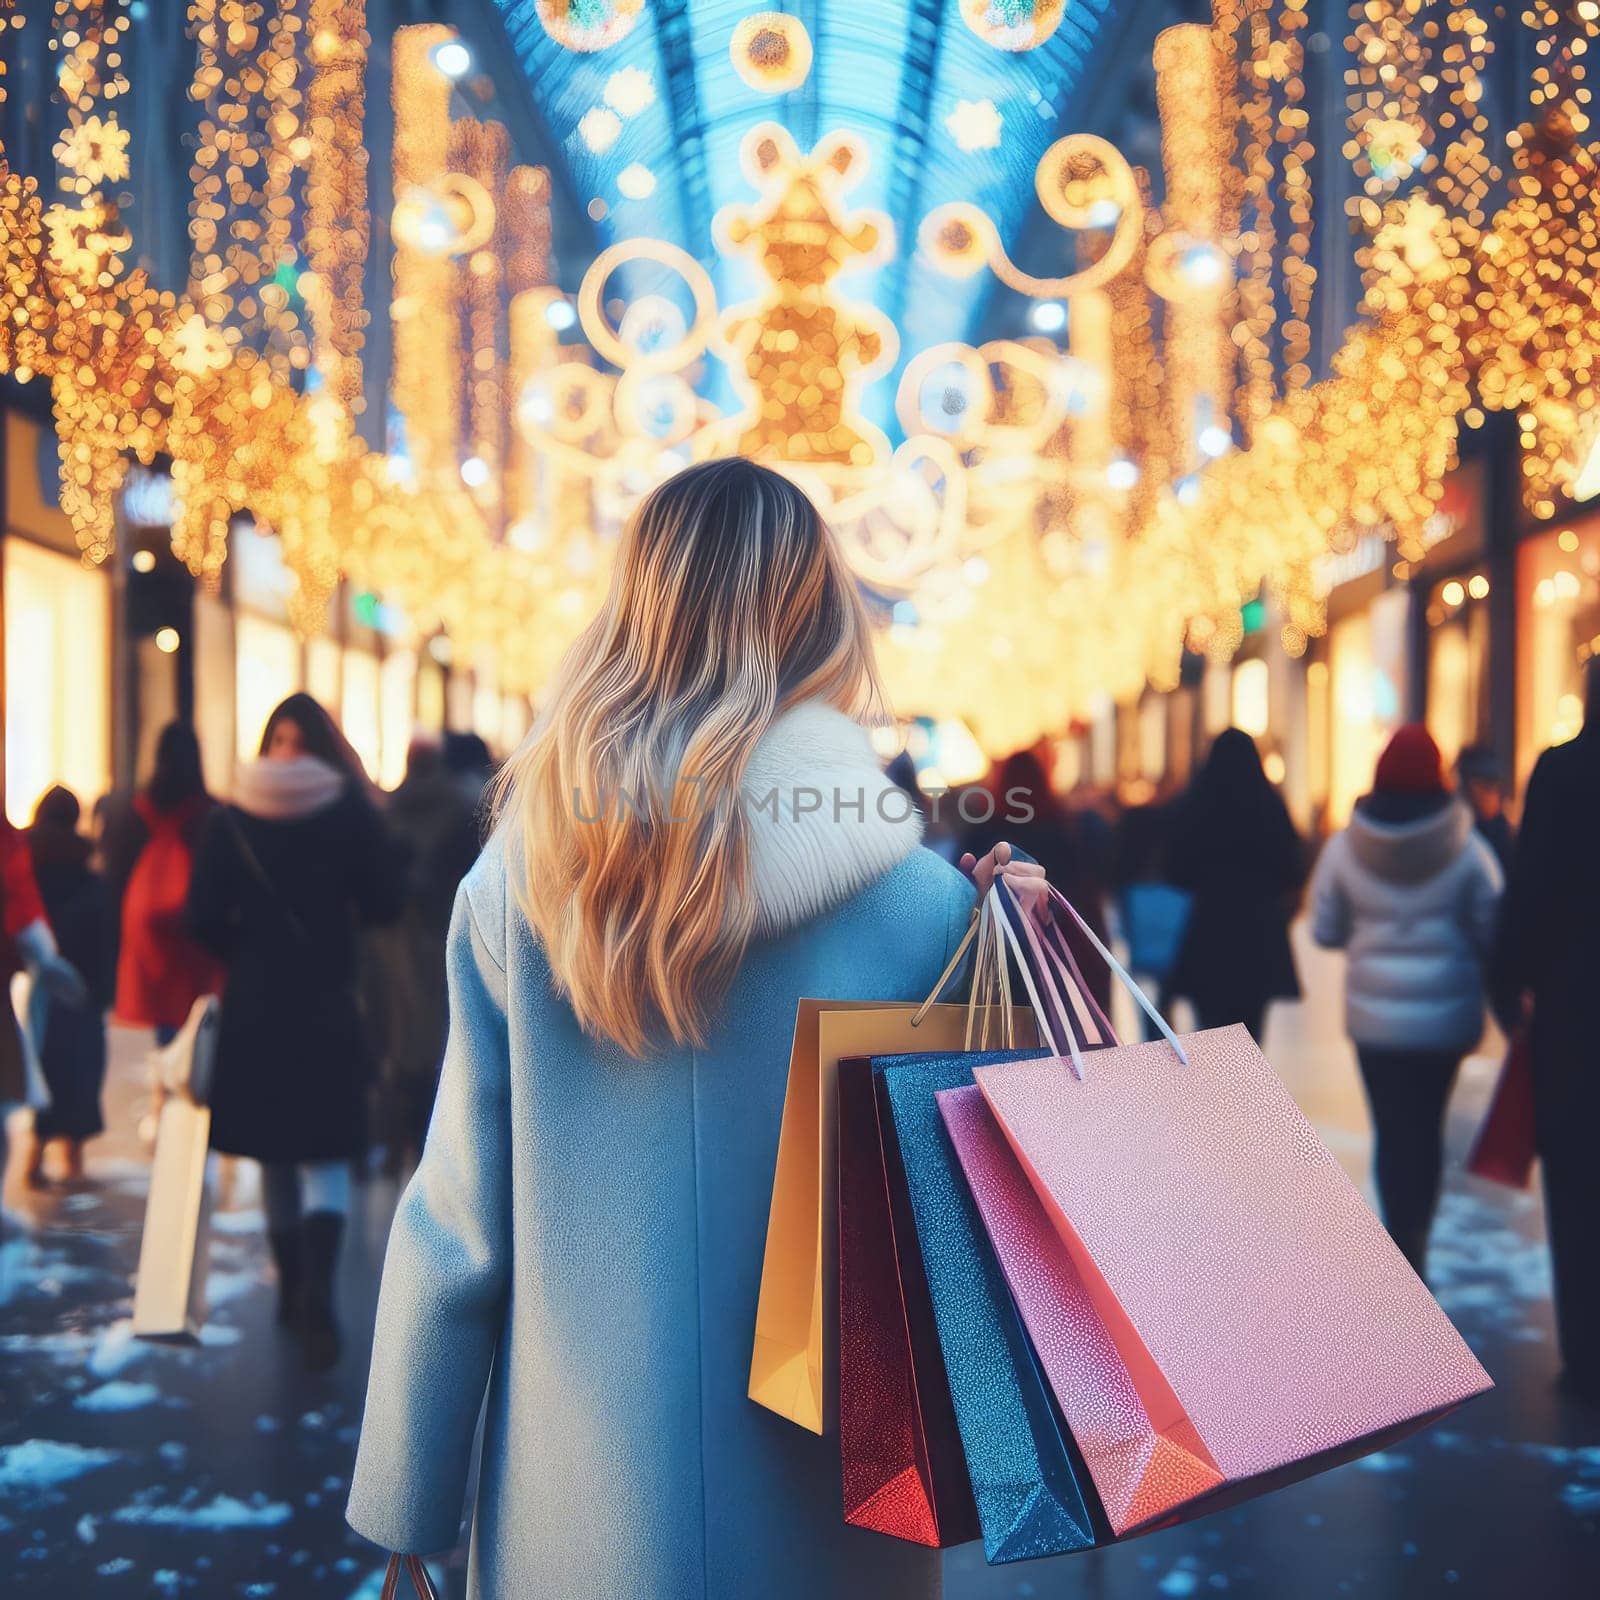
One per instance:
(1120, 972)
(415, 1570)
(1075, 1054)
(1059, 970)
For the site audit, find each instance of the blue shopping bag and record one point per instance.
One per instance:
(1033, 1494)
(1155, 917)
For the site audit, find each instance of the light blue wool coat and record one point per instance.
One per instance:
(582, 1241)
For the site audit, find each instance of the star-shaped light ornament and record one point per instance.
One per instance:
(975, 125)
(196, 347)
(96, 150)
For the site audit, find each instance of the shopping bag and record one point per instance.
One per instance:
(1140, 1475)
(1033, 1498)
(169, 1301)
(799, 1271)
(1264, 1318)
(1155, 917)
(903, 1469)
(1506, 1146)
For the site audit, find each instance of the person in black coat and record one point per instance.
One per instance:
(1234, 848)
(1547, 960)
(73, 1052)
(283, 878)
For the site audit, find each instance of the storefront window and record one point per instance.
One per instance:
(1458, 663)
(267, 668)
(1558, 632)
(362, 719)
(1366, 674)
(58, 674)
(398, 692)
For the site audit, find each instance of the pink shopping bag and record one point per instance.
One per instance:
(1260, 1314)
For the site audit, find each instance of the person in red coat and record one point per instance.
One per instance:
(161, 969)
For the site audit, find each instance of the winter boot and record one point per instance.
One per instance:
(288, 1255)
(319, 1329)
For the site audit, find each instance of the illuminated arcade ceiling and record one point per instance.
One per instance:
(893, 72)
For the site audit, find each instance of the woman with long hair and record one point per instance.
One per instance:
(161, 969)
(695, 835)
(1235, 849)
(283, 879)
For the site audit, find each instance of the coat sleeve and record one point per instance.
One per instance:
(1330, 905)
(212, 907)
(377, 866)
(1483, 899)
(1524, 911)
(445, 1277)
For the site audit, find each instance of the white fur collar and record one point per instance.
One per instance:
(823, 820)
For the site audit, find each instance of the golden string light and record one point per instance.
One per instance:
(337, 225)
(1046, 534)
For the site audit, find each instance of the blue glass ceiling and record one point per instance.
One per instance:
(891, 71)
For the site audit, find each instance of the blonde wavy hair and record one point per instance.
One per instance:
(730, 602)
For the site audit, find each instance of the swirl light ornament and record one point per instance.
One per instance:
(1084, 183)
(771, 51)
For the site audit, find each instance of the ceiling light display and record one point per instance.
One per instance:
(630, 91)
(771, 51)
(1013, 24)
(588, 25)
(599, 128)
(1065, 512)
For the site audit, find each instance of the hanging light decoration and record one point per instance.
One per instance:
(588, 25)
(1013, 24)
(771, 51)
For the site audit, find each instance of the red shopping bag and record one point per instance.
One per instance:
(1262, 1316)
(1506, 1145)
(904, 1471)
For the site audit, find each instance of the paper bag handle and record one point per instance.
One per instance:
(415, 1570)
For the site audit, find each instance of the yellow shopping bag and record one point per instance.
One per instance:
(793, 1364)
(169, 1300)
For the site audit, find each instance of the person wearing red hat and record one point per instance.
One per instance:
(1409, 890)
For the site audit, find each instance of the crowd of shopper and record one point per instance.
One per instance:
(312, 902)
(320, 907)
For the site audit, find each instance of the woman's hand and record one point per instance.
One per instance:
(1025, 879)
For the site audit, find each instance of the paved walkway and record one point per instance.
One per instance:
(135, 1470)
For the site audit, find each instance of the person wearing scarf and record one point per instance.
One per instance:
(284, 877)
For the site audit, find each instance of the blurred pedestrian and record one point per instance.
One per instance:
(149, 847)
(1410, 890)
(72, 1050)
(1027, 814)
(1153, 911)
(434, 818)
(1234, 848)
(27, 943)
(1547, 958)
(1482, 781)
(282, 880)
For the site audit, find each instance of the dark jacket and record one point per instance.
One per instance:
(1549, 936)
(73, 1050)
(293, 1055)
(1244, 866)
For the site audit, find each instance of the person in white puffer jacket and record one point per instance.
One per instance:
(1410, 891)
